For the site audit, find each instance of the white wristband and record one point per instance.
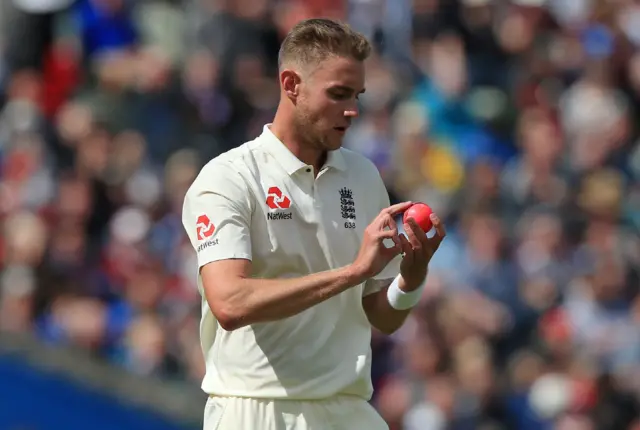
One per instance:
(402, 300)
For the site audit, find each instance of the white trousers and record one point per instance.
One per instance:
(339, 413)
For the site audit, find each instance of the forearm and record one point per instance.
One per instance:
(261, 300)
(381, 314)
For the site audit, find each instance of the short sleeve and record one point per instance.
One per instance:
(384, 278)
(217, 214)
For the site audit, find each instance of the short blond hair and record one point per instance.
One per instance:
(313, 40)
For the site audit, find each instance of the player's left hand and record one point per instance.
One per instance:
(418, 250)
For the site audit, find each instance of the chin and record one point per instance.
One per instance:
(333, 143)
(333, 146)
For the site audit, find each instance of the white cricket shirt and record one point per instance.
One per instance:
(261, 203)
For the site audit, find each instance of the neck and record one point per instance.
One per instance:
(290, 136)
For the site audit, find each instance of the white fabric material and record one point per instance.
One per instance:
(314, 225)
(41, 6)
(337, 413)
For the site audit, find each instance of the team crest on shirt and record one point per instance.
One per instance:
(348, 207)
(278, 202)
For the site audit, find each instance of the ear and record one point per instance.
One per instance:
(290, 82)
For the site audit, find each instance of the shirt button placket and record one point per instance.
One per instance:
(320, 219)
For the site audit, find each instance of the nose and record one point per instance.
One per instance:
(352, 111)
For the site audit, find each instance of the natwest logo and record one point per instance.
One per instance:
(277, 200)
(279, 215)
(204, 227)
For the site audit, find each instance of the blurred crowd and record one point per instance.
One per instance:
(515, 119)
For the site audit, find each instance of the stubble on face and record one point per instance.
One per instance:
(319, 109)
(307, 126)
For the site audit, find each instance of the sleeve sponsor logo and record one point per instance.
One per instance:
(204, 227)
(204, 230)
(207, 244)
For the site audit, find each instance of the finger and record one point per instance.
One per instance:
(386, 223)
(411, 228)
(417, 230)
(388, 229)
(391, 251)
(389, 234)
(386, 220)
(438, 225)
(440, 232)
(407, 249)
(397, 208)
(425, 244)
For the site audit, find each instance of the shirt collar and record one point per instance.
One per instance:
(291, 163)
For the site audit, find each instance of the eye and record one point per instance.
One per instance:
(339, 94)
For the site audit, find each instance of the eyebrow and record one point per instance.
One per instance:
(347, 89)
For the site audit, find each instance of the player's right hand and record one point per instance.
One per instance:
(374, 255)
